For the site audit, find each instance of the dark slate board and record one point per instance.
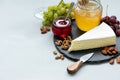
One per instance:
(97, 57)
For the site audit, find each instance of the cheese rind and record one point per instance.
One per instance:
(100, 36)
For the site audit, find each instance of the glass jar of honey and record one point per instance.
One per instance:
(88, 16)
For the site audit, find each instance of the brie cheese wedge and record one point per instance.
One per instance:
(99, 36)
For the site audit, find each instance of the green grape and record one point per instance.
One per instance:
(58, 12)
(61, 3)
(67, 5)
(55, 15)
(67, 10)
(55, 8)
(45, 17)
(62, 10)
(44, 23)
(48, 23)
(50, 8)
(45, 13)
(72, 14)
(51, 19)
(50, 14)
(60, 6)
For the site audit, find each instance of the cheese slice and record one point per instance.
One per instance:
(99, 36)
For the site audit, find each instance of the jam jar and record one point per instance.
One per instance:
(61, 28)
(88, 16)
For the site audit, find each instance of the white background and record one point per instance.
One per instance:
(25, 54)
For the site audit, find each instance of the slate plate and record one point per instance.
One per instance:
(97, 57)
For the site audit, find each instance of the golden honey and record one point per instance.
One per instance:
(88, 16)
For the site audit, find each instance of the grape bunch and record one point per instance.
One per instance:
(56, 11)
(113, 23)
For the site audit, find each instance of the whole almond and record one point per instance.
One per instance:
(42, 28)
(114, 52)
(111, 61)
(47, 28)
(55, 52)
(104, 52)
(43, 31)
(118, 59)
(116, 49)
(58, 57)
(109, 51)
(111, 48)
(62, 56)
(106, 48)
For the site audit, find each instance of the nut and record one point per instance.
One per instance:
(58, 42)
(106, 48)
(55, 52)
(104, 52)
(65, 47)
(111, 61)
(58, 57)
(109, 50)
(42, 28)
(114, 52)
(64, 43)
(62, 57)
(118, 59)
(65, 38)
(47, 28)
(116, 49)
(43, 31)
(69, 39)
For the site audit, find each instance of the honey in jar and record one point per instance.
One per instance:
(88, 16)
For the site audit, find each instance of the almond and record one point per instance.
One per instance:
(118, 59)
(106, 48)
(42, 28)
(47, 28)
(111, 48)
(62, 56)
(109, 52)
(104, 52)
(111, 61)
(114, 52)
(55, 52)
(58, 57)
(43, 31)
(116, 49)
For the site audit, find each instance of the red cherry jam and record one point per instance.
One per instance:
(61, 28)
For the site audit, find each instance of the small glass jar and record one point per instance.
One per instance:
(61, 28)
(89, 15)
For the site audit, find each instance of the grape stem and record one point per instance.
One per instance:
(60, 2)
